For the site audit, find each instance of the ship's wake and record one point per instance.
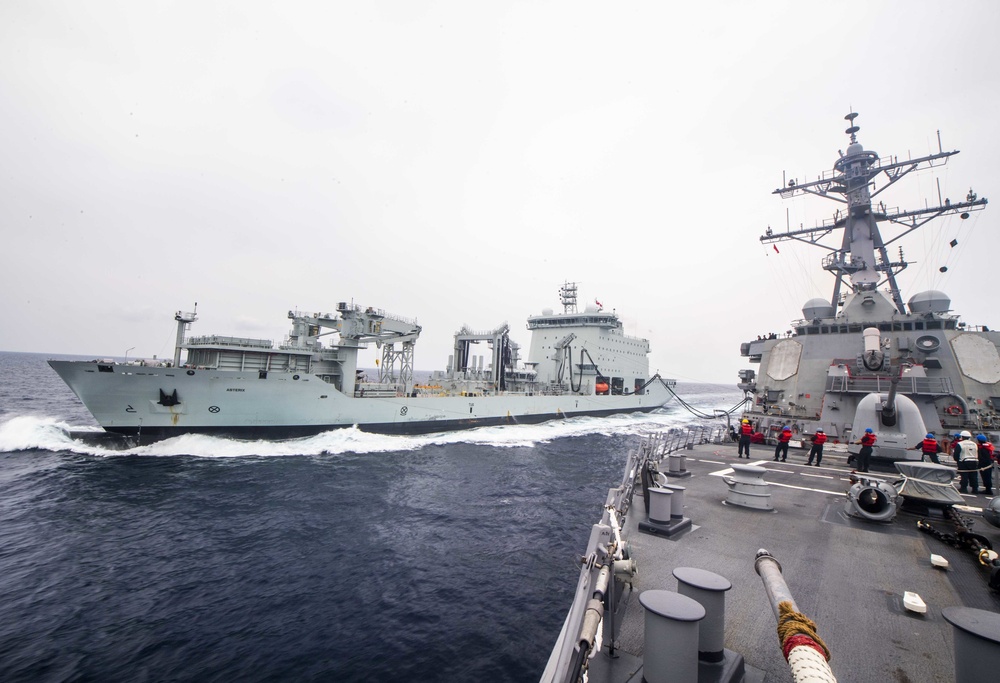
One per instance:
(29, 432)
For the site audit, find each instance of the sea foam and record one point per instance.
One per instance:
(46, 433)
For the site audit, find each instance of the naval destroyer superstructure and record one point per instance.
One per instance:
(579, 363)
(864, 358)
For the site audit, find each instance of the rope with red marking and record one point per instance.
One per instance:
(796, 629)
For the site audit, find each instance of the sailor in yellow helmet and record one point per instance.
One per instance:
(745, 432)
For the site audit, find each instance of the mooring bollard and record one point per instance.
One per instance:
(977, 643)
(660, 504)
(677, 465)
(676, 501)
(665, 516)
(709, 590)
(670, 653)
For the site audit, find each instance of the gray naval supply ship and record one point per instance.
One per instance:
(864, 359)
(580, 362)
(706, 568)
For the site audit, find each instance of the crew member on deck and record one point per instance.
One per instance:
(745, 432)
(955, 438)
(985, 449)
(867, 442)
(967, 455)
(929, 448)
(818, 439)
(782, 447)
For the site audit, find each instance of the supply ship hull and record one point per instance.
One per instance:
(240, 404)
(580, 363)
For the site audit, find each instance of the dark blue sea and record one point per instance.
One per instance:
(342, 557)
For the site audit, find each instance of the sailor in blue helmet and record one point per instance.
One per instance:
(818, 439)
(929, 448)
(782, 447)
(985, 452)
(867, 442)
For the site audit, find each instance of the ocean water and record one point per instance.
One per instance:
(346, 556)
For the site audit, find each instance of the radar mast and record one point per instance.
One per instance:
(567, 295)
(862, 257)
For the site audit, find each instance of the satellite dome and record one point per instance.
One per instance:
(931, 301)
(817, 308)
(854, 148)
(546, 311)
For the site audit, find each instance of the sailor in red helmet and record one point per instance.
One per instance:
(746, 431)
(818, 439)
(782, 447)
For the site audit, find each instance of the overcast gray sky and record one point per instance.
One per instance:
(455, 162)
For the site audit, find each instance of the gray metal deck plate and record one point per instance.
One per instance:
(847, 575)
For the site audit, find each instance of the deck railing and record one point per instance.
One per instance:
(242, 342)
(687, 437)
(595, 599)
(929, 386)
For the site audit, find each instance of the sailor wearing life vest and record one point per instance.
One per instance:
(782, 447)
(867, 442)
(986, 457)
(746, 431)
(929, 448)
(818, 439)
(966, 453)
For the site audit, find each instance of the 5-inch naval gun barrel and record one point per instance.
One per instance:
(888, 413)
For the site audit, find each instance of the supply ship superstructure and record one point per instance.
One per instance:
(579, 363)
(864, 358)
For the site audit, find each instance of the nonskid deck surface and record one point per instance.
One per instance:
(847, 575)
